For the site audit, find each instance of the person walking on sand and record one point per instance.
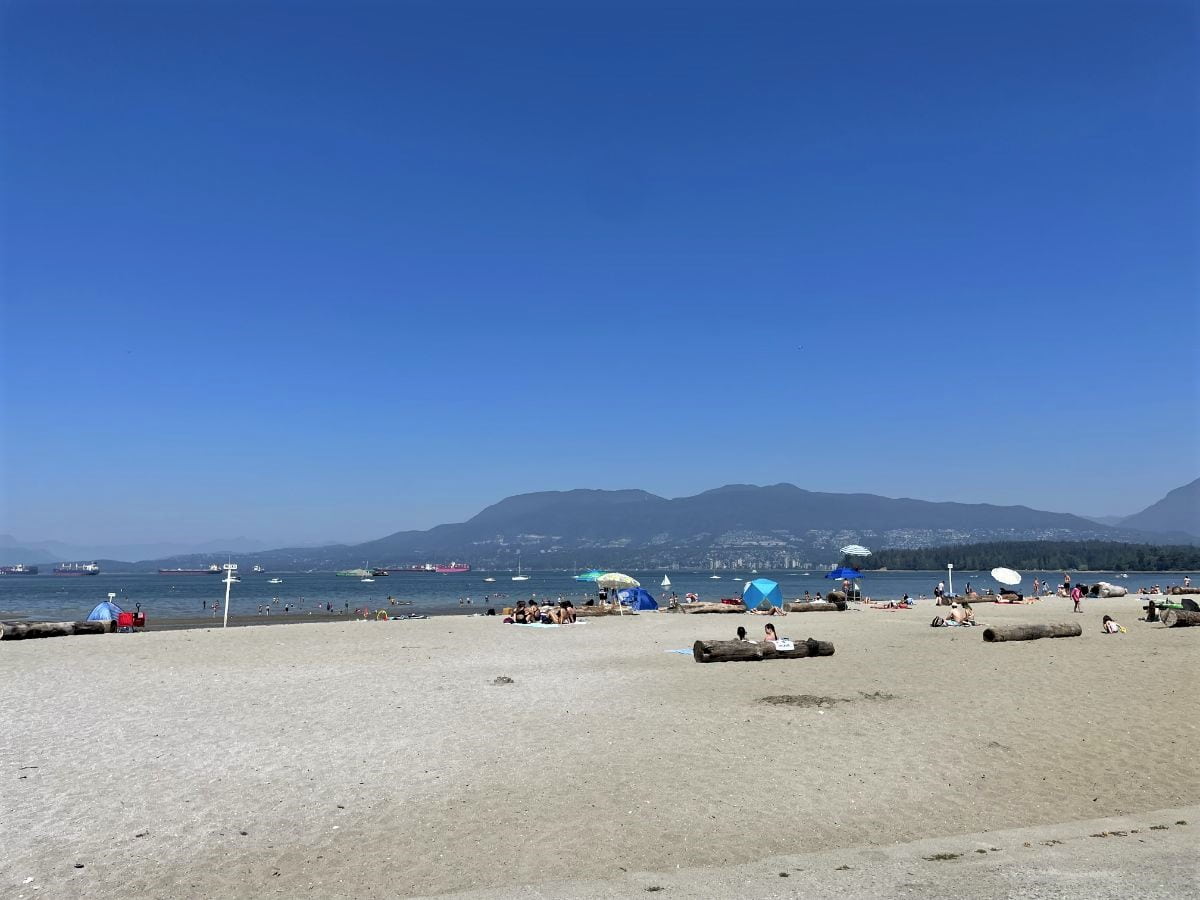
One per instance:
(1076, 597)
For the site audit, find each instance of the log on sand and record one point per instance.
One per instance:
(584, 612)
(712, 607)
(747, 651)
(995, 633)
(19, 631)
(1183, 590)
(799, 606)
(1180, 618)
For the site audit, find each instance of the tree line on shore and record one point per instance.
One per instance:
(1096, 556)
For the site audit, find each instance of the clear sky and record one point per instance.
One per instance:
(328, 270)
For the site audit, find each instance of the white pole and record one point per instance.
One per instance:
(950, 576)
(228, 585)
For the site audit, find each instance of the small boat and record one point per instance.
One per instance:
(257, 569)
(714, 577)
(489, 578)
(379, 573)
(367, 580)
(519, 576)
(666, 582)
(274, 581)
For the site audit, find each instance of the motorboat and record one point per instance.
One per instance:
(274, 581)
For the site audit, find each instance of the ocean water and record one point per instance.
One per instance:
(49, 597)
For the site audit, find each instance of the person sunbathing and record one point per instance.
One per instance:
(769, 633)
(520, 614)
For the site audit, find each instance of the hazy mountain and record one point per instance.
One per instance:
(1179, 511)
(1106, 520)
(759, 524)
(59, 551)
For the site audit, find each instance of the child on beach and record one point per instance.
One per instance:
(1111, 627)
(1076, 597)
(770, 635)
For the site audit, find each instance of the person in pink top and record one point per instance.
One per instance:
(1076, 596)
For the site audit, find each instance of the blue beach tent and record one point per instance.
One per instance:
(760, 591)
(104, 612)
(842, 572)
(637, 598)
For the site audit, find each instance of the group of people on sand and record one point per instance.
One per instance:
(769, 634)
(534, 613)
(960, 614)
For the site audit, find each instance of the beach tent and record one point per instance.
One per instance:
(637, 598)
(842, 573)
(104, 612)
(762, 591)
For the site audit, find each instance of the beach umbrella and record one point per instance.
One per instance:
(761, 591)
(1006, 576)
(855, 550)
(592, 575)
(617, 580)
(842, 573)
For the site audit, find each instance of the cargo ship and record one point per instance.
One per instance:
(416, 567)
(77, 569)
(379, 573)
(353, 573)
(18, 569)
(210, 570)
(454, 568)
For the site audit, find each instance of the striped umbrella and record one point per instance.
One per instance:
(855, 550)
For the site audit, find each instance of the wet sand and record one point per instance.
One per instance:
(380, 759)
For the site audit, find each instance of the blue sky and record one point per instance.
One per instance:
(310, 271)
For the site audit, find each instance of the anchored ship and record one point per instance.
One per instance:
(18, 569)
(454, 568)
(76, 569)
(210, 570)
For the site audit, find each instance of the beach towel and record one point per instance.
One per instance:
(536, 625)
(685, 651)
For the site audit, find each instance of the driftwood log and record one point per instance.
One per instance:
(996, 633)
(19, 631)
(1183, 590)
(835, 597)
(584, 612)
(799, 606)
(747, 651)
(1180, 618)
(712, 607)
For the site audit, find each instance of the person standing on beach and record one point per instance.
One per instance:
(1076, 597)
(1037, 588)
(1066, 584)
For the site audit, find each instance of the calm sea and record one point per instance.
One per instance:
(49, 597)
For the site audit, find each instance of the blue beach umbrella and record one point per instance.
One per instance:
(761, 590)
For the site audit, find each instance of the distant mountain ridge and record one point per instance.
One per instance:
(758, 525)
(1179, 511)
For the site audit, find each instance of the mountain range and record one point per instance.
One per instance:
(737, 524)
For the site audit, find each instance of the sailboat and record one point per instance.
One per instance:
(666, 582)
(368, 579)
(519, 576)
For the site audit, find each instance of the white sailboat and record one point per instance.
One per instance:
(368, 579)
(666, 582)
(519, 576)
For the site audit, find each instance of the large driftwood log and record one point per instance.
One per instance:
(584, 612)
(1183, 590)
(835, 597)
(747, 651)
(712, 607)
(995, 633)
(799, 606)
(1180, 618)
(19, 631)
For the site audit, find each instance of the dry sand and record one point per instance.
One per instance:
(368, 759)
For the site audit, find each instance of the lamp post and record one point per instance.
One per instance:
(229, 568)
(950, 577)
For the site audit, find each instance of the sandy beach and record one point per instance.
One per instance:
(381, 759)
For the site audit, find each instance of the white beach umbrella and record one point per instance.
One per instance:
(855, 550)
(1006, 576)
(617, 580)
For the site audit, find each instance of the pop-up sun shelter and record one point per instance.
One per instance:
(762, 592)
(104, 612)
(637, 598)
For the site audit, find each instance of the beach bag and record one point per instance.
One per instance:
(937, 622)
